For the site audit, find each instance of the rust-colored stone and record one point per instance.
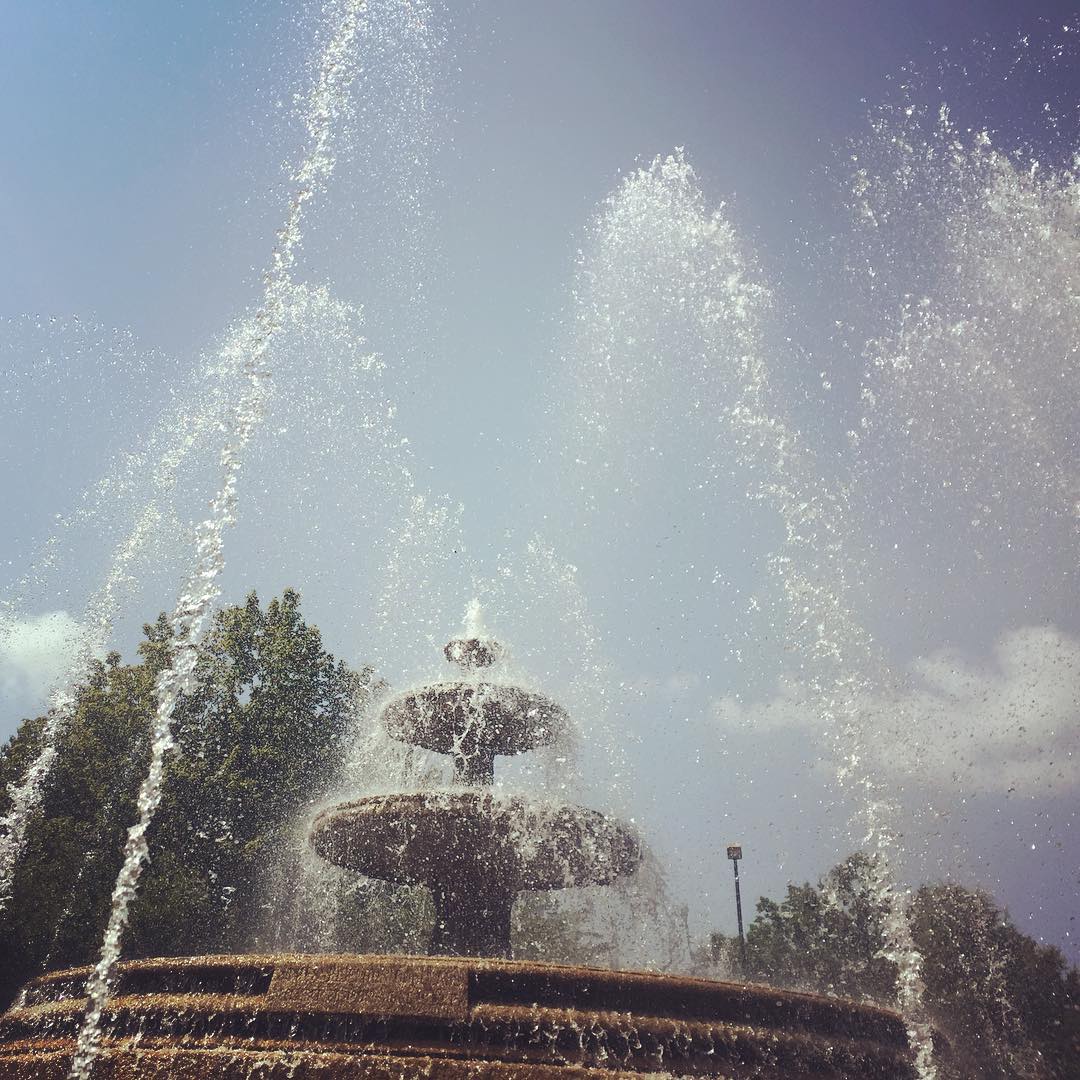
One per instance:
(474, 850)
(475, 837)
(407, 987)
(442, 1018)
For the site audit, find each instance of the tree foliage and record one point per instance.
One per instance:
(827, 936)
(1007, 1006)
(256, 740)
(1010, 1006)
(548, 930)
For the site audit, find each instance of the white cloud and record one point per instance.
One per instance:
(1008, 723)
(34, 654)
(786, 711)
(676, 684)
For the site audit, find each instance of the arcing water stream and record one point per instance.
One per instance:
(180, 431)
(246, 347)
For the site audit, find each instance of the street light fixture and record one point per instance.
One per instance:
(734, 853)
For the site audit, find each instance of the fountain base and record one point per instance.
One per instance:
(444, 1019)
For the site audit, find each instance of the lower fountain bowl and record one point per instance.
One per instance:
(471, 838)
(405, 1017)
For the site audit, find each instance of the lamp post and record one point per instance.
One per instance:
(734, 853)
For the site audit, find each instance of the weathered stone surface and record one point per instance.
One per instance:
(474, 721)
(444, 837)
(408, 986)
(443, 1019)
(475, 850)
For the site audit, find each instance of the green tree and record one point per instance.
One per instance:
(259, 738)
(1008, 1007)
(825, 938)
(64, 880)
(547, 929)
(256, 740)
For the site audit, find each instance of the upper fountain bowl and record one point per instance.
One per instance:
(473, 652)
(474, 721)
(464, 718)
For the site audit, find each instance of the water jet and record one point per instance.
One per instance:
(467, 1010)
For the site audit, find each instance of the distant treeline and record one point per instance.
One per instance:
(1006, 1006)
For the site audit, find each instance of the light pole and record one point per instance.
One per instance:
(734, 853)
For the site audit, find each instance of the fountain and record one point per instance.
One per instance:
(964, 415)
(468, 1010)
(474, 849)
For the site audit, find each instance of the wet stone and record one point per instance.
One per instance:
(450, 1018)
(475, 851)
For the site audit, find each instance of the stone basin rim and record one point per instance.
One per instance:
(431, 837)
(587, 975)
(452, 1018)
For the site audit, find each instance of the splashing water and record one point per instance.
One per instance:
(473, 623)
(967, 253)
(188, 426)
(94, 633)
(666, 298)
(179, 431)
(329, 402)
(675, 398)
(246, 346)
(975, 374)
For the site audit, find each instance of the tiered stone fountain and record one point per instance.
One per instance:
(468, 1013)
(473, 849)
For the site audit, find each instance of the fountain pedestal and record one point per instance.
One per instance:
(469, 922)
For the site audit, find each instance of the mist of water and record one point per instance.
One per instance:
(246, 347)
(965, 248)
(668, 330)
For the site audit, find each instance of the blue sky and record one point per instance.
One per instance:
(142, 178)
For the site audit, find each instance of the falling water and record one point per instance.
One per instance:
(247, 343)
(973, 371)
(187, 426)
(667, 298)
(331, 401)
(966, 248)
(92, 639)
